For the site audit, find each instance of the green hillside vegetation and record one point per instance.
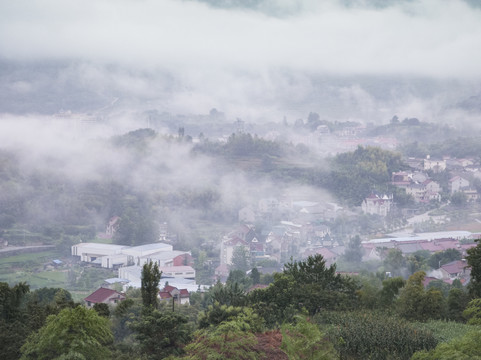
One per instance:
(307, 312)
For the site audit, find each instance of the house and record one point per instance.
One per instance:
(104, 296)
(180, 296)
(112, 226)
(471, 194)
(228, 246)
(457, 269)
(432, 186)
(436, 165)
(400, 178)
(257, 249)
(458, 183)
(417, 191)
(377, 205)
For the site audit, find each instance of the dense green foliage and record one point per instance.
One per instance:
(474, 260)
(150, 284)
(306, 285)
(161, 333)
(467, 347)
(370, 335)
(75, 332)
(415, 303)
(304, 340)
(356, 174)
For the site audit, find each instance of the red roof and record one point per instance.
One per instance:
(166, 292)
(454, 267)
(102, 294)
(430, 246)
(428, 279)
(168, 288)
(164, 295)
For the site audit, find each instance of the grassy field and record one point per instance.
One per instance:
(30, 268)
(36, 280)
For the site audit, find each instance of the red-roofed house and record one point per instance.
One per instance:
(105, 296)
(431, 246)
(180, 296)
(455, 270)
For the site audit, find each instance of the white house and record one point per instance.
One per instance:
(457, 183)
(377, 205)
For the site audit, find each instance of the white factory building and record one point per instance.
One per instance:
(114, 256)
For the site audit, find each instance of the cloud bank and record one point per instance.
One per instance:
(425, 37)
(266, 58)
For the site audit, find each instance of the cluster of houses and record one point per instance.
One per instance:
(108, 296)
(422, 188)
(433, 242)
(286, 239)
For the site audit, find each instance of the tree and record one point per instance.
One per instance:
(77, 333)
(390, 290)
(229, 340)
(304, 340)
(240, 258)
(14, 321)
(150, 284)
(473, 312)
(239, 277)
(474, 260)
(443, 257)
(456, 303)
(102, 309)
(229, 294)
(354, 251)
(217, 314)
(459, 199)
(161, 334)
(305, 284)
(394, 261)
(255, 276)
(417, 304)
(467, 347)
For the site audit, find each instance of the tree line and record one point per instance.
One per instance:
(308, 311)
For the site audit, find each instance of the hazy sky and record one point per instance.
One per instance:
(226, 53)
(426, 37)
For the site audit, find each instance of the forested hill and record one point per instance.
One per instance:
(145, 178)
(350, 176)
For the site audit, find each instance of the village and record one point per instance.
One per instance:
(295, 229)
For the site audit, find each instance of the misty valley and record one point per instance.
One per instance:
(353, 214)
(247, 180)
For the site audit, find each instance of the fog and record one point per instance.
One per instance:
(269, 59)
(74, 74)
